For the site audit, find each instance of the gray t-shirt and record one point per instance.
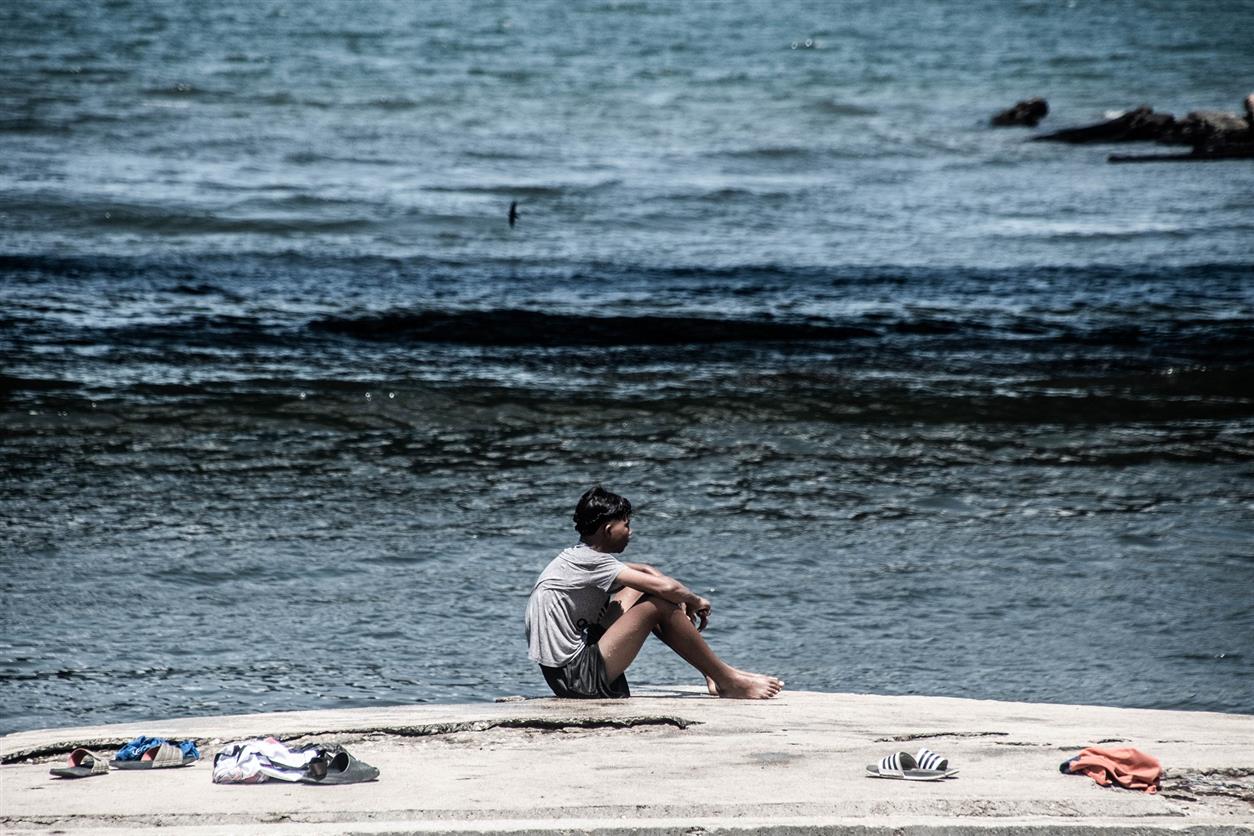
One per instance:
(570, 594)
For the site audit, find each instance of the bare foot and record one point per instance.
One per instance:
(749, 686)
(711, 686)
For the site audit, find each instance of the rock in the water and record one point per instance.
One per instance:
(1209, 127)
(1027, 112)
(1214, 135)
(1139, 125)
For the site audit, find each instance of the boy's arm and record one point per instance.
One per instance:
(665, 587)
(643, 567)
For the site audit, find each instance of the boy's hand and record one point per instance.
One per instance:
(698, 608)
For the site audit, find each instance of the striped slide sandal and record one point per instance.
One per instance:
(929, 760)
(902, 766)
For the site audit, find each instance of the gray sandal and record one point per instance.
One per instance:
(83, 763)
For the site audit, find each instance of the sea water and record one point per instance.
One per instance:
(291, 417)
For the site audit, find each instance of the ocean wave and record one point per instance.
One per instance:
(199, 331)
(732, 193)
(206, 289)
(170, 219)
(284, 98)
(835, 108)
(1163, 279)
(782, 153)
(513, 74)
(1161, 359)
(390, 103)
(1032, 427)
(34, 125)
(173, 223)
(297, 200)
(86, 72)
(315, 158)
(632, 7)
(528, 191)
(186, 90)
(1056, 230)
(495, 154)
(533, 328)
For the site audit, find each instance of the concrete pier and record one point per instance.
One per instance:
(666, 761)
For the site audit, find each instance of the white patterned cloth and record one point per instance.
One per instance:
(256, 761)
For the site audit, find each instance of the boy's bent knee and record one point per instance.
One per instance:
(660, 608)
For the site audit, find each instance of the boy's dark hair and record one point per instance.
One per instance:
(597, 507)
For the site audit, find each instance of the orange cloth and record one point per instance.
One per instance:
(1127, 767)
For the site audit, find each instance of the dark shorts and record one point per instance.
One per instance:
(584, 676)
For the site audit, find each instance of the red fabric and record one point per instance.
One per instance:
(1127, 767)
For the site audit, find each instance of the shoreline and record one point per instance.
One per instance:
(667, 760)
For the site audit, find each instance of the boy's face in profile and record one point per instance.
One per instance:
(617, 535)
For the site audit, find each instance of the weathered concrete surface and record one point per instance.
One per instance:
(670, 762)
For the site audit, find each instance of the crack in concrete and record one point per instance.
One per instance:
(1190, 784)
(927, 735)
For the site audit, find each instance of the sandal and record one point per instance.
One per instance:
(162, 757)
(83, 763)
(927, 759)
(903, 766)
(334, 765)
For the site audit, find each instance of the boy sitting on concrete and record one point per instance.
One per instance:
(584, 638)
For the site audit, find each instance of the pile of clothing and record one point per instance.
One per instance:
(1125, 767)
(257, 761)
